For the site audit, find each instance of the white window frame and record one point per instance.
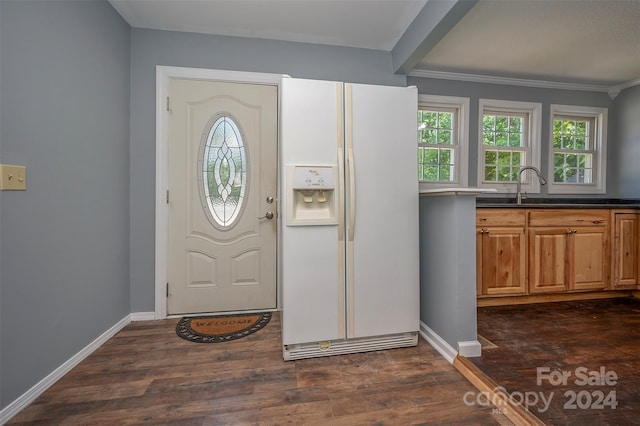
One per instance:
(598, 185)
(459, 146)
(530, 184)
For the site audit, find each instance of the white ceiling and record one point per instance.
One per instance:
(371, 24)
(575, 41)
(587, 41)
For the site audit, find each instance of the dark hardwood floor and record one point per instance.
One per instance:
(148, 375)
(578, 338)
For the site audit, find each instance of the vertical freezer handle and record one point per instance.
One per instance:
(340, 196)
(352, 194)
(340, 146)
(350, 161)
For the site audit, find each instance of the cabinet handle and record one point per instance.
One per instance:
(484, 231)
(569, 231)
(483, 218)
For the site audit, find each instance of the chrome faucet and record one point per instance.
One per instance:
(542, 180)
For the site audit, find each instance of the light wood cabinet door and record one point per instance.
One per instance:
(548, 260)
(501, 261)
(626, 254)
(486, 218)
(590, 253)
(568, 250)
(565, 259)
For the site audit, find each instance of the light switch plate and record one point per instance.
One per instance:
(13, 178)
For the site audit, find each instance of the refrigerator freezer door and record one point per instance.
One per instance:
(382, 259)
(312, 275)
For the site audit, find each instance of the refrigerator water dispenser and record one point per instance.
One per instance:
(312, 195)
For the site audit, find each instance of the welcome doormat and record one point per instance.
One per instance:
(221, 328)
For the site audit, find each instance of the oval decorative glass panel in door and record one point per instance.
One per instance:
(224, 172)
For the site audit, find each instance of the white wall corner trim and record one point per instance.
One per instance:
(470, 348)
(615, 90)
(143, 316)
(29, 396)
(438, 343)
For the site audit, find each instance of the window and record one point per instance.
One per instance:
(509, 138)
(442, 141)
(223, 165)
(577, 149)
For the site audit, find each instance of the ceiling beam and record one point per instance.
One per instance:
(434, 21)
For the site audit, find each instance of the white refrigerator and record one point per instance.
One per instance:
(349, 218)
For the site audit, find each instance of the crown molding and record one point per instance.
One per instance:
(615, 90)
(476, 78)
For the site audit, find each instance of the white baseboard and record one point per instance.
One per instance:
(470, 348)
(29, 396)
(438, 343)
(143, 316)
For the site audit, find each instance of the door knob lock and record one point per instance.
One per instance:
(267, 215)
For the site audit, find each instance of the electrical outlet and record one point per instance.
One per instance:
(13, 178)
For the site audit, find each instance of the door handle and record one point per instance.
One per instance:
(267, 215)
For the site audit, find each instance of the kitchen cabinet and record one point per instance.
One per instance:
(548, 255)
(500, 252)
(626, 253)
(568, 250)
(535, 251)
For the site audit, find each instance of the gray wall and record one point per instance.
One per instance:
(66, 69)
(626, 159)
(65, 116)
(448, 267)
(476, 91)
(150, 48)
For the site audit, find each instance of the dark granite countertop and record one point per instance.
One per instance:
(550, 203)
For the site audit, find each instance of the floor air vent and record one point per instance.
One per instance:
(341, 347)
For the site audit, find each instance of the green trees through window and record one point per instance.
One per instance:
(509, 138)
(572, 157)
(436, 155)
(502, 137)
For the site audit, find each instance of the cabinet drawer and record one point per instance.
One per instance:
(568, 217)
(500, 217)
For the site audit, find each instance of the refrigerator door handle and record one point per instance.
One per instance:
(350, 161)
(352, 193)
(340, 198)
(340, 146)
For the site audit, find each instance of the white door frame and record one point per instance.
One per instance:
(163, 74)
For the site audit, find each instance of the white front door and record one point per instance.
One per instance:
(222, 191)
